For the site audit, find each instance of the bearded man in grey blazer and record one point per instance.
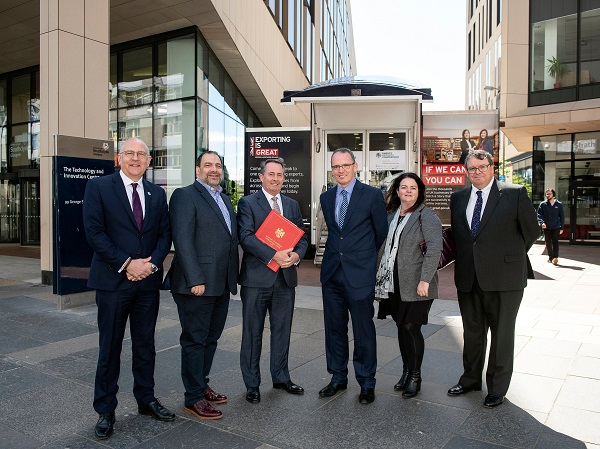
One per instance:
(203, 275)
(494, 225)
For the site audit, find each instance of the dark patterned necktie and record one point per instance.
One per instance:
(343, 209)
(476, 214)
(138, 214)
(275, 204)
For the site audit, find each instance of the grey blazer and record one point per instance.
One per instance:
(205, 251)
(413, 267)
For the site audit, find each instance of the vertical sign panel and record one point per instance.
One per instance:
(293, 145)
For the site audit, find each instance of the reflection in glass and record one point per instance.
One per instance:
(353, 141)
(136, 85)
(31, 211)
(135, 122)
(10, 194)
(387, 157)
(175, 69)
(19, 149)
(173, 145)
(21, 88)
(589, 47)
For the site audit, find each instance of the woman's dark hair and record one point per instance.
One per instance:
(463, 134)
(392, 200)
(487, 135)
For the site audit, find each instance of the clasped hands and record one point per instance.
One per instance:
(286, 258)
(139, 269)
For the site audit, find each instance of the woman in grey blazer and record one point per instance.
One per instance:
(407, 280)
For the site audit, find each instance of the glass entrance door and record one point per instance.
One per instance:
(30, 212)
(9, 211)
(586, 214)
(380, 155)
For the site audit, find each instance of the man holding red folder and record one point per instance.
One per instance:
(264, 289)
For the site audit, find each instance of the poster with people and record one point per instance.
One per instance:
(447, 138)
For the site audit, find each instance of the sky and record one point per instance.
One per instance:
(420, 42)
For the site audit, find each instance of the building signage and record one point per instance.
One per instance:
(293, 145)
(77, 160)
(446, 140)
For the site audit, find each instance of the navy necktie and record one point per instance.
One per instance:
(343, 209)
(476, 214)
(138, 214)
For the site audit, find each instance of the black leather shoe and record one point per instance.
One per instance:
(413, 385)
(331, 389)
(253, 395)
(366, 396)
(491, 401)
(459, 390)
(290, 387)
(157, 411)
(105, 425)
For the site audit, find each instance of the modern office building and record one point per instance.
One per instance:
(538, 62)
(184, 75)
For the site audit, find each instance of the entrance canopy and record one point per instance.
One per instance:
(356, 88)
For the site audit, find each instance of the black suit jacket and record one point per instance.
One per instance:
(113, 234)
(365, 229)
(252, 211)
(498, 253)
(205, 252)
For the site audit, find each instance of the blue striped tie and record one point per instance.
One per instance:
(343, 209)
(476, 214)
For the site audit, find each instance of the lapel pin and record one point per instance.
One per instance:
(149, 194)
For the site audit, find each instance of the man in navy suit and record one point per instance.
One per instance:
(357, 224)
(126, 223)
(204, 274)
(264, 289)
(494, 225)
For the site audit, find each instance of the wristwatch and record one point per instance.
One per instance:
(154, 268)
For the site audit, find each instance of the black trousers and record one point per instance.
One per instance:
(202, 321)
(497, 312)
(551, 238)
(278, 300)
(114, 308)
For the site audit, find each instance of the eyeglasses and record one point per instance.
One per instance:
(139, 154)
(480, 169)
(341, 167)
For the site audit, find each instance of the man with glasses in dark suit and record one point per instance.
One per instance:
(126, 223)
(494, 225)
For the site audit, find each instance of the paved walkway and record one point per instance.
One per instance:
(47, 365)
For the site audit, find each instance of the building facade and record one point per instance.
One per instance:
(185, 76)
(547, 90)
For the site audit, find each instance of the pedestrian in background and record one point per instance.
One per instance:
(551, 217)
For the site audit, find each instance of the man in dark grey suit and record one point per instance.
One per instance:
(264, 289)
(203, 275)
(494, 225)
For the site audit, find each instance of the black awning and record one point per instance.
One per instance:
(352, 86)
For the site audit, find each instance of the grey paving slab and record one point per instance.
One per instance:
(344, 422)
(458, 442)
(49, 412)
(6, 365)
(12, 439)
(507, 425)
(16, 381)
(549, 439)
(75, 442)
(196, 434)
(580, 392)
(574, 422)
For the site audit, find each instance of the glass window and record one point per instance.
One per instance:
(135, 122)
(34, 112)
(174, 147)
(135, 87)
(549, 148)
(589, 46)
(19, 149)
(3, 130)
(175, 77)
(216, 130)
(215, 87)
(21, 97)
(586, 145)
(112, 83)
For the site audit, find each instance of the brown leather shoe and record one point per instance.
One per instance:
(203, 410)
(214, 398)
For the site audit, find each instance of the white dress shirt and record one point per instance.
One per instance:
(129, 189)
(485, 193)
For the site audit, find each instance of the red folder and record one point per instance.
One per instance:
(279, 233)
